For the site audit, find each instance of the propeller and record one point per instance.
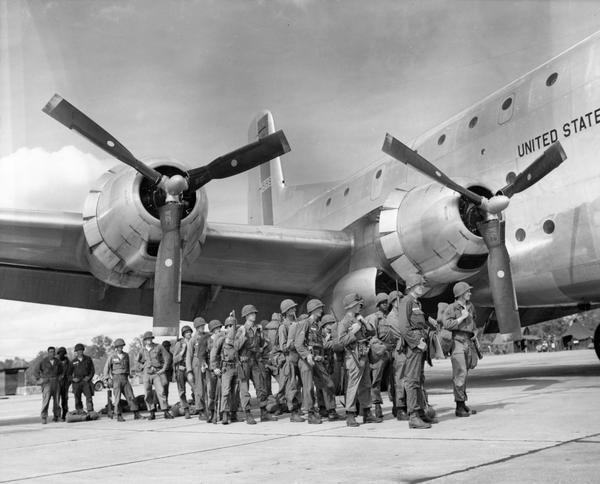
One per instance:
(167, 275)
(490, 225)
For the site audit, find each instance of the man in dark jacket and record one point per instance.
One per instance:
(82, 373)
(48, 372)
(64, 381)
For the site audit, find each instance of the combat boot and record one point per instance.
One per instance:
(333, 416)
(469, 409)
(64, 416)
(44, 420)
(152, 415)
(136, 415)
(461, 410)
(368, 417)
(323, 412)
(350, 420)
(186, 413)
(233, 417)
(249, 418)
(211, 416)
(314, 418)
(55, 419)
(201, 415)
(295, 417)
(378, 411)
(401, 414)
(120, 418)
(415, 422)
(168, 414)
(225, 420)
(428, 415)
(266, 416)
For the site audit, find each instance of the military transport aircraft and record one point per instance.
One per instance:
(498, 187)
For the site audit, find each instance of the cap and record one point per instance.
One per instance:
(119, 342)
(214, 324)
(351, 300)
(199, 321)
(286, 305)
(313, 305)
(460, 288)
(382, 297)
(79, 347)
(185, 329)
(147, 335)
(248, 309)
(413, 280)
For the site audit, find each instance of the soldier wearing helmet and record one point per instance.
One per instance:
(117, 367)
(214, 329)
(309, 344)
(354, 336)
(179, 363)
(64, 381)
(268, 362)
(224, 364)
(334, 351)
(153, 360)
(413, 328)
(459, 318)
(196, 363)
(377, 369)
(249, 343)
(82, 372)
(288, 361)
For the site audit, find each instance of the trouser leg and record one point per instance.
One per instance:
(306, 375)
(399, 379)
(77, 390)
(228, 383)
(459, 372)
(358, 385)
(148, 395)
(325, 386)
(413, 368)
(87, 391)
(256, 373)
(158, 382)
(117, 389)
(364, 386)
(46, 394)
(211, 389)
(291, 387)
(64, 397)
(377, 370)
(181, 382)
(199, 392)
(267, 375)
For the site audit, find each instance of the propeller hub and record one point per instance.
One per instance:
(175, 185)
(495, 204)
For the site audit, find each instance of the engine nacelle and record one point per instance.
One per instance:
(423, 230)
(361, 281)
(123, 234)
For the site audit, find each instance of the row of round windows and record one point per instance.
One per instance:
(548, 228)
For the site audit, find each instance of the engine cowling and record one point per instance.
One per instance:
(427, 229)
(122, 229)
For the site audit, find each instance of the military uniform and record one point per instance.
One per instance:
(378, 368)
(267, 363)
(49, 371)
(82, 373)
(224, 356)
(288, 376)
(167, 376)
(197, 362)
(153, 362)
(211, 379)
(390, 334)
(118, 366)
(249, 343)
(179, 366)
(64, 383)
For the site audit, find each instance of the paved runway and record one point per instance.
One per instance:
(538, 421)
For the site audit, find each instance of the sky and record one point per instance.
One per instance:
(183, 79)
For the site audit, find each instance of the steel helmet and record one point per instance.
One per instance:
(119, 342)
(460, 288)
(229, 321)
(248, 309)
(382, 297)
(199, 321)
(61, 351)
(326, 319)
(79, 347)
(394, 296)
(214, 324)
(351, 300)
(147, 335)
(185, 329)
(276, 317)
(286, 305)
(313, 305)
(413, 280)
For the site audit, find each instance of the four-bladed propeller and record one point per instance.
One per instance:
(167, 279)
(490, 226)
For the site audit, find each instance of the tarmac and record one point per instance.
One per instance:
(537, 421)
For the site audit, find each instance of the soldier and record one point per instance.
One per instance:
(153, 360)
(197, 360)
(249, 344)
(223, 361)
(288, 373)
(117, 366)
(459, 318)
(64, 381)
(179, 356)
(414, 335)
(82, 373)
(378, 368)
(268, 366)
(167, 376)
(48, 372)
(353, 335)
(214, 329)
(334, 352)
(309, 343)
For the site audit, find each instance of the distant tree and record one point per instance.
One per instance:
(99, 347)
(29, 378)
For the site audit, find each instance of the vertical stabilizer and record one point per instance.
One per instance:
(265, 182)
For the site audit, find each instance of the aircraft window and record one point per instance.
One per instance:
(328, 202)
(551, 79)
(441, 139)
(510, 177)
(346, 191)
(378, 174)
(506, 104)
(473, 122)
(520, 235)
(548, 226)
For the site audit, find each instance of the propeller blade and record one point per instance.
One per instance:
(167, 274)
(398, 150)
(544, 164)
(240, 160)
(500, 277)
(67, 114)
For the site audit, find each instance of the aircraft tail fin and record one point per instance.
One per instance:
(265, 183)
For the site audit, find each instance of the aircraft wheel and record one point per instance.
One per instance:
(597, 341)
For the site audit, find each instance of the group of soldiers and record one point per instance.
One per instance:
(313, 358)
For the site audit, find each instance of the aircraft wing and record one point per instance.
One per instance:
(43, 260)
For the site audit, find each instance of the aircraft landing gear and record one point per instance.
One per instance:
(597, 341)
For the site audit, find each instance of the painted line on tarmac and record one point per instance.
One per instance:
(505, 459)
